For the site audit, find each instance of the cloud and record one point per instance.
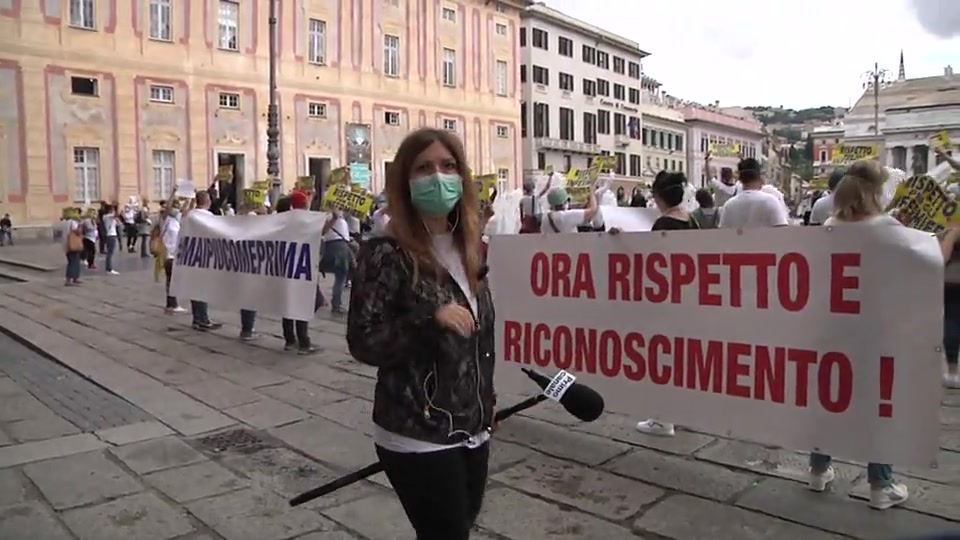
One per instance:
(939, 17)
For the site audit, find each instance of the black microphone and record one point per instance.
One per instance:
(578, 399)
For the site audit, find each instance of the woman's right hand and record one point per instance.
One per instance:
(456, 318)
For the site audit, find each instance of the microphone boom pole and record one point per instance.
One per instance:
(374, 468)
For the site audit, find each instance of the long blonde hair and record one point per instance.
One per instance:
(858, 194)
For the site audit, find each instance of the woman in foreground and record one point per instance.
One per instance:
(421, 312)
(856, 202)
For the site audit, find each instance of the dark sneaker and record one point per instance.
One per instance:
(290, 347)
(200, 327)
(249, 337)
(312, 349)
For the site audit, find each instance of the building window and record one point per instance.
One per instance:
(86, 175)
(619, 65)
(502, 77)
(229, 100)
(523, 119)
(633, 70)
(449, 15)
(619, 124)
(603, 122)
(317, 53)
(541, 39)
(316, 109)
(391, 118)
(501, 29)
(603, 87)
(621, 167)
(619, 92)
(566, 124)
(502, 175)
(823, 156)
(523, 73)
(81, 14)
(566, 81)
(161, 17)
(635, 166)
(589, 54)
(678, 141)
(541, 120)
(84, 86)
(229, 25)
(161, 93)
(449, 124)
(391, 56)
(589, 87)
(541, 161)
(565, 46)
(163, 169)
(391, 3)
(500, 8)
(603, 60)
(589, 128)
(634, 96)
(541, 75)
(523, 37)
(449, 67)
(503, 131)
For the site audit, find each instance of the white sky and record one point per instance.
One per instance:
(779, 52)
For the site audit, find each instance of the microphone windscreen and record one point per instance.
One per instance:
(582, 402)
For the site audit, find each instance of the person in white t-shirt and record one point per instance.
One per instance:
(857, 204)
(335, 257)
(752, 206)
(823, 208)
(560, 219)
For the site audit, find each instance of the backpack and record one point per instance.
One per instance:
(706, 222)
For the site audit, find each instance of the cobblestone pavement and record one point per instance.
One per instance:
(236, 428)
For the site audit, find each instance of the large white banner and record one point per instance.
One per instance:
(628, 218)
(263, 263)
(813, 337)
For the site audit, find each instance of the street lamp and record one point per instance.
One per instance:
(273, 116)
(875, 78)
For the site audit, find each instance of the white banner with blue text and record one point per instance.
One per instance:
(262, 263)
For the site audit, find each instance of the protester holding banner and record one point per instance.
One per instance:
(165, 249)
(422, 313)
(857, 203)
(563, 220)
(752, 206)
(296, 333)
(823, 207)
(336, 257)
(200, 309)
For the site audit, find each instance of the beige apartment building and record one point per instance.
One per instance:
(103, 99)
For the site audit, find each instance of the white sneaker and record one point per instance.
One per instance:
(951, 380)
(892, 495)
(819, 481)
(174, 311)
(653, 427)
(114, 273)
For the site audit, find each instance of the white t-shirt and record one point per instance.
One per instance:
(170, 232)
(447, 255)
(881, 219)
(566, 221)
(109, 225)
(380, 220)
(822, 210)
(90, 231)
(753, 208)
(353, 224)
(339, 226)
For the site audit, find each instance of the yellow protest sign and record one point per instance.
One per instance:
(485, 183)
(340, 175)
(70, 213)
(306, 183)
(262, 185)
(848, 153)
(724, 150)
(942, 140)
(348, 199)
(254, 197)
(922, 203)
(580, 182)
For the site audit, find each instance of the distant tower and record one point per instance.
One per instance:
(902, 75)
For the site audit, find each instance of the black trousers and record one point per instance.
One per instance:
(441, 492)
(296, 332)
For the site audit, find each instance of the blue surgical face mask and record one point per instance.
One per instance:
(437, 194)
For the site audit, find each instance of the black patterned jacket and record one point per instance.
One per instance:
(433, 385)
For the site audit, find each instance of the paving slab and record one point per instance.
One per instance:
(220, 393)
(141, 431)
(690, 518)
(136, 517)
(81, 480)
(560, 442)
(505, 454)
(377, 517)
(254, 514)
(354, 413)
(623, 428)
(328, 443)
(31, 521)
(267, 413)
(157, 454)
(14, 488)
(681, 474)
(51, 448)
(339, 380)
(254, 377)
(522, 517)
(304, 395)
(39, 428)
(835, 512)
(204, 479)
(596, 492)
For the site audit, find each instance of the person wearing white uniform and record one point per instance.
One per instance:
(560, 220)
(752, 206)
(857, 204)
(823, 208)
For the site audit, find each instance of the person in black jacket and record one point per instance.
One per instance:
(421, 311)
